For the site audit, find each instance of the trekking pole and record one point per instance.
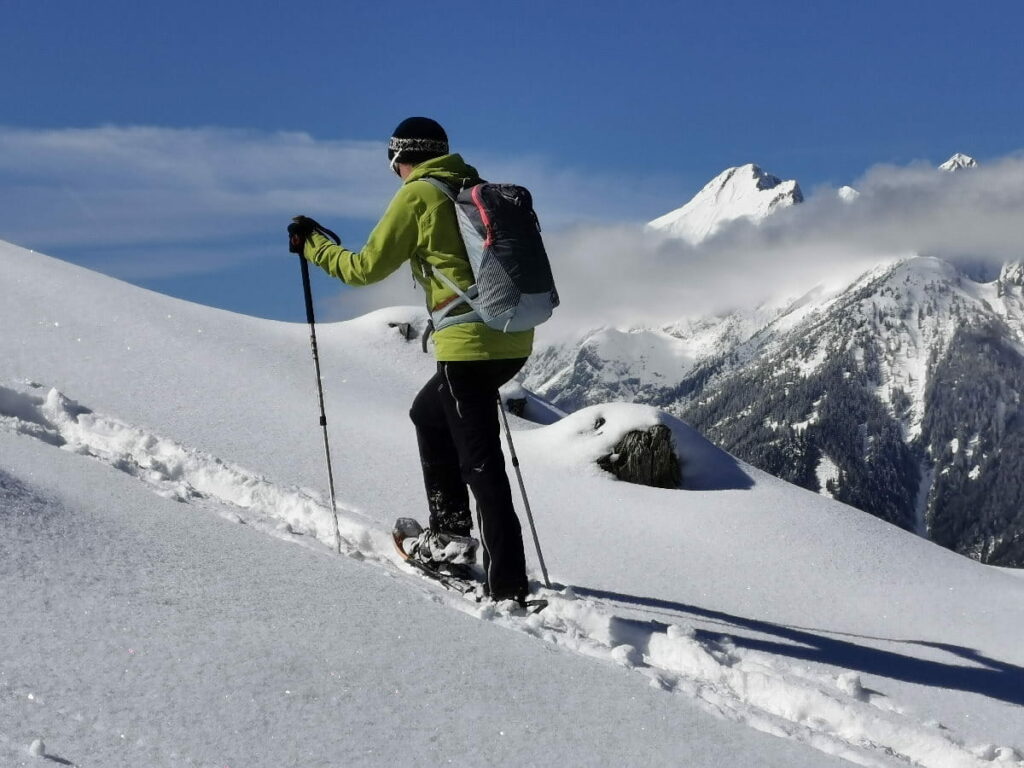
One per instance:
(320, 391)
(522, 488)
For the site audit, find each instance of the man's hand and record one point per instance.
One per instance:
(299, 231)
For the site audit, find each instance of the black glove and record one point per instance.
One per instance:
(299, 231)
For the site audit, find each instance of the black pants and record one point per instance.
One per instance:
(456, 418)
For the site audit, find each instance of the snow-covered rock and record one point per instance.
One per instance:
(581, 438)
(745, 192)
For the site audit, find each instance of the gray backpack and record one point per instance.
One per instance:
(514, 288)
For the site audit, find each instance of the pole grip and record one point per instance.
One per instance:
(306, 289)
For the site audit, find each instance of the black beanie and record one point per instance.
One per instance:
(417, 139)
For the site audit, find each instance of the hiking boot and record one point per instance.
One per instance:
(439, 547)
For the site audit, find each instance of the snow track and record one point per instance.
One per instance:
(830, 711)
(174, 471)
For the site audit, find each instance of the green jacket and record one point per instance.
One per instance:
(419, 226)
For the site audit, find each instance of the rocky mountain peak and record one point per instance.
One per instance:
(744, 192)
(1012, 273)
(959, 162)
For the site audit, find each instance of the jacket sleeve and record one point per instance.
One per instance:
(393, 241)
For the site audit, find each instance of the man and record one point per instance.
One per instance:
(455, 414)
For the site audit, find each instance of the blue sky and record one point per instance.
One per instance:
(199, 128)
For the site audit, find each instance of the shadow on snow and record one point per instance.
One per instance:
(993, 678)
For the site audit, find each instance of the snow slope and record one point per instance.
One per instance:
(157, 458)
(744, 192)
(149, 633)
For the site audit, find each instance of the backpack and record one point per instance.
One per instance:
(514, 288)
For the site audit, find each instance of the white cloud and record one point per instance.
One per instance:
(123, 185)
(146, 202)
(625, 276)
(159, 201)
(116, 186)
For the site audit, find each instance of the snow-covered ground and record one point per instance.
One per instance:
(159, 460)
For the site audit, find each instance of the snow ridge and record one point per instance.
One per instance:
(834, 714)
(172, 470)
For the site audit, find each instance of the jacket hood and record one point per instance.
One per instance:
(448, 168)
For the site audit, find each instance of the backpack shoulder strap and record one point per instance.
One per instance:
(443, 318)
(448, 191)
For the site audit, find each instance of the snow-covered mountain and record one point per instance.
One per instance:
(172, 596)
(890, 358)
(642, 364)
(958, 162)
(745, 192)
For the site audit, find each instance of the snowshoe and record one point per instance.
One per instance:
(433, 548)
(420, 549)
(459, 577)
(521, 601)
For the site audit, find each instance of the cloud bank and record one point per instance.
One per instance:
(158, 202)
(115, 186)
(178, 189)
(627, 276)
(152, 205)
